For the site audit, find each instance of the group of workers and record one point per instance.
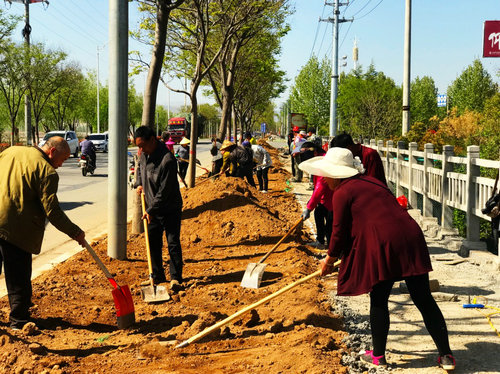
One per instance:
(231, 159)
(376, 239)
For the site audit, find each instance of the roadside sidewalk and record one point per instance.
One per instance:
(410, 349)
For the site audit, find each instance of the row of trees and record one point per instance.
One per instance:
(61, 95)
(226, 45)
(369, 106)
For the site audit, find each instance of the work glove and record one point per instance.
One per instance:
(305, 214)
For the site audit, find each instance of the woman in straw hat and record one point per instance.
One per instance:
(378, 243)
(183, 154)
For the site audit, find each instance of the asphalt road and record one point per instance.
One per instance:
(85, 201)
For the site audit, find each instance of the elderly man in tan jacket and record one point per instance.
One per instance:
(28, 197)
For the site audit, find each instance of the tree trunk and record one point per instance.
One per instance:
(191, 172)
(151, 87)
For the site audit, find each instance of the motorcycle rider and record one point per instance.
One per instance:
(88, 148)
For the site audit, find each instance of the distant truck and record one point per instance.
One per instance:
(297, 120)
(178, 127)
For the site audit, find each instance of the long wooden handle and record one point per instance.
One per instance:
(210, 177)
(232, 317)
(98, 260)
(146, 235)
(281, 240)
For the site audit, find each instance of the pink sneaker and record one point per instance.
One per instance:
(369, 358)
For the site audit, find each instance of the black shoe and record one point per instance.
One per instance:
(175, 286)
(446, 362)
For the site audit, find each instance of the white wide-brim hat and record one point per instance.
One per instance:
(337, 163)
(184, 141)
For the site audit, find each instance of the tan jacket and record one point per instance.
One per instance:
(28, 196)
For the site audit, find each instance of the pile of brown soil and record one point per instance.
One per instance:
(226, 224)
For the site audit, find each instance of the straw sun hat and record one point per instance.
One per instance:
(337, 163)
(184, 141)
(226, 144)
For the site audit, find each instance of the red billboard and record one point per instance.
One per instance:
(491, 39)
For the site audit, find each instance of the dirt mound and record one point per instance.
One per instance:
(226, 224)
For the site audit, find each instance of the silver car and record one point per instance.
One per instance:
(100, 141)
(69, 136)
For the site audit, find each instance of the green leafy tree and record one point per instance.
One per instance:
(43, 78)
(490, 145)
(153, 31)
(310, 93)
(423, 98)
(472, 88)
(258, 80)
(369, 104)
(62, 105)
(12, 83)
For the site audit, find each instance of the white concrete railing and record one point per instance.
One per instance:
(436, 178)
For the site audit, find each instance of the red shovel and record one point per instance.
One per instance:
(124, 304)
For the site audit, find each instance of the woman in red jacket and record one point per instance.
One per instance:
(379, 243)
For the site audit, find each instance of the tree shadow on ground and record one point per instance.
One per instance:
(162, 324)
(73, 204)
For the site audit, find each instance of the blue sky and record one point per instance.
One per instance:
(446, 36)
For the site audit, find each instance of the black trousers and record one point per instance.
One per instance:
(17, 266)
(216, 166)
(183, 166)
(262, 178)
(324, 222)
(420, 293)
(246, 172)
(170, 223)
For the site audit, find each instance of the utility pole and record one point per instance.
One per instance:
(27, 102)
(118, 114)
(98, 107)
(335, 62)
(406, 70)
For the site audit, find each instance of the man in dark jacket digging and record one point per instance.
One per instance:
(157, 178)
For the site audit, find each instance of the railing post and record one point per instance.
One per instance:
(446, 211)
(412, 195)
(380, 145)
(390, 170)
(427, 203)
(399, 167)
(472, 171)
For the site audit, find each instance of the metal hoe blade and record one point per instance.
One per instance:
(253, 275)
(154, 294)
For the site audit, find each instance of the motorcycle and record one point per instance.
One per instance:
(131, 170)
(85, 164)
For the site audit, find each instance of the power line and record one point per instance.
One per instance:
(322, 39)
(90, 17)
(375, 7)
(345, 36)
(316, 35)
(63, 19)
(69, 41)
(363, 7)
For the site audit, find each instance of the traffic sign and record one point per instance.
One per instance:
(442, 100)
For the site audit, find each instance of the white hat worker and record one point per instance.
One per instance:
(184, 141)
(338, 163)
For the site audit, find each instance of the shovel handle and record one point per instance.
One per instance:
(210, 177)
(253, 306)
(101, 265)
(281, 241)
(146, 236)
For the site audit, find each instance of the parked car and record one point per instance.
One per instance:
(70, 136)
(100, 141)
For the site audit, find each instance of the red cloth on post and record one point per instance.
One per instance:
(374, 236)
